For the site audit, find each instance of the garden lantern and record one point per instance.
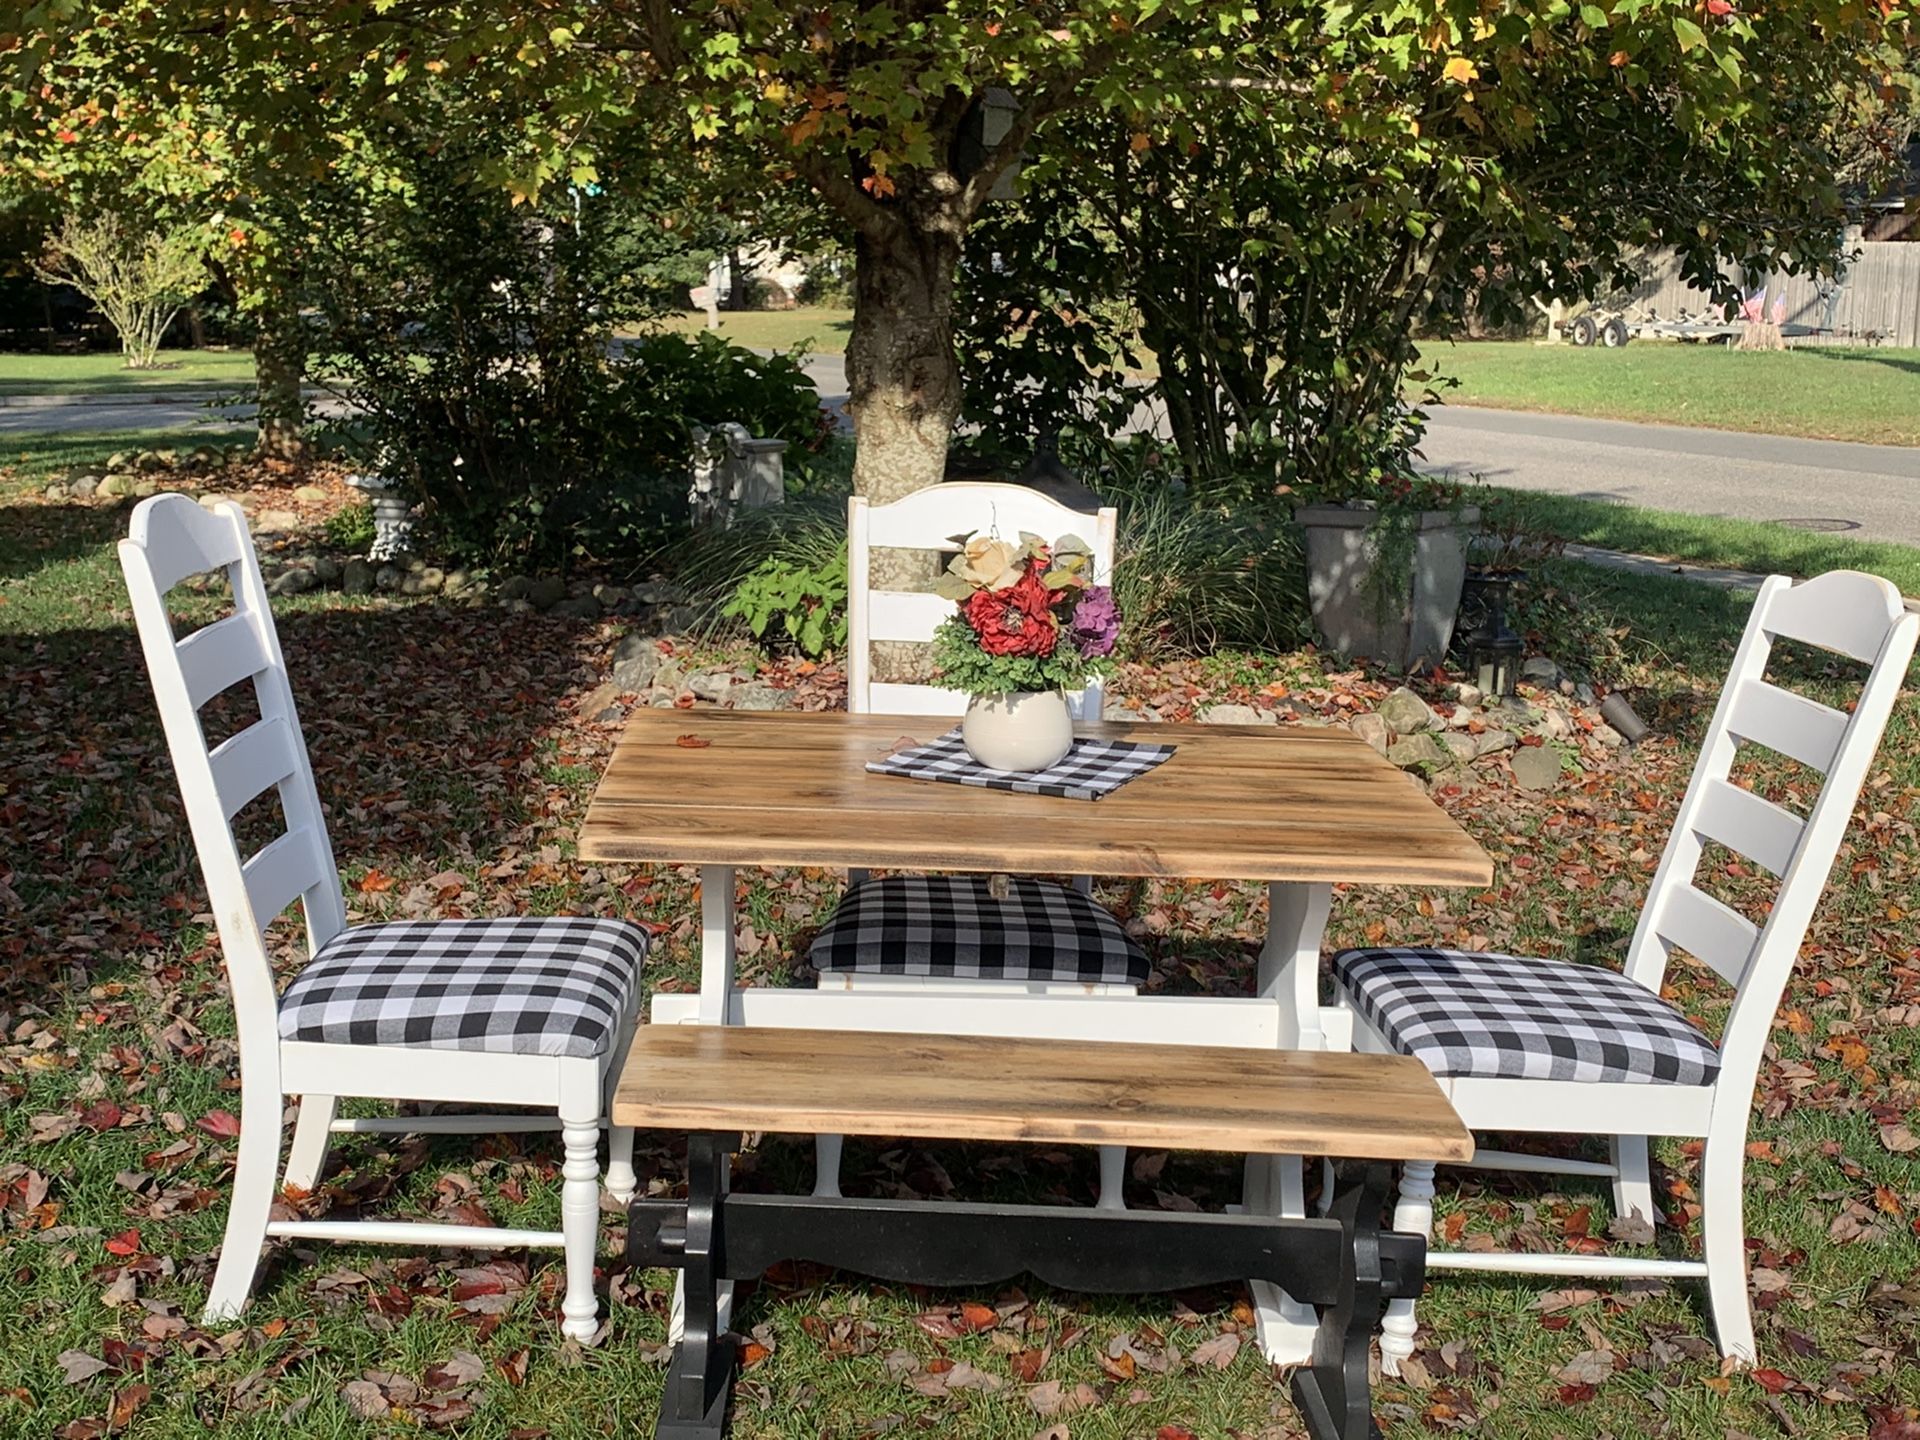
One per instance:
(1493, 650)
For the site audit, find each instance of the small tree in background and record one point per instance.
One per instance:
(139, 282)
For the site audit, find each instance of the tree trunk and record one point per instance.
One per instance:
(902, 374)
(280, 364)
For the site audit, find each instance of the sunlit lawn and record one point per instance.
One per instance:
(104, 372)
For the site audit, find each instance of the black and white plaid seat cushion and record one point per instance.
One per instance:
(950, 925)
(1498, 1016)
(517, 985)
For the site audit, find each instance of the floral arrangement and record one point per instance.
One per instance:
(1031, 618)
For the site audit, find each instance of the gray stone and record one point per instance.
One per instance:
(611, 597)
(427, 580)
(313, 494)
(577, 607)
(1536, 767)
(204, 455)
(274, 522)
(515, 587)
(669, 677)
(637, 674)
(1405, 712)
(1462, 747)
(1237, 715)
(141, 489)
(1420, 751)
(456, 582)
(1583, 692)
(680, 619)
(546, 592)
(1455, 777)
(55, 491)
(212, 499)
(389, 577)
(1541, 671)
(1513, 712)
(1460, 719)
(1118, 710)
(659, 592)
(84, 487)
(115, 486)
(1605, 735)
(326, 569)
(1555, 725)
(711, 685)
(356, 576)
(120, 459)
(1492, 742)
(517, 607)
(414, 565)
(1374, 730)
(1468, 695)
(756, 695)
(295, 580)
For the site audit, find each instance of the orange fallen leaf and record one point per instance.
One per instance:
(692, 742)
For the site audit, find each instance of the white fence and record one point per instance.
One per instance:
(1878, 297)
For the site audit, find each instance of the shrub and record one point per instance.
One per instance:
(137, 275)
(708, 382)
(807, 533)
(809, 603)
(351, 528)
(1192, 577)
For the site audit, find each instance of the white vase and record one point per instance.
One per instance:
(1018, 730)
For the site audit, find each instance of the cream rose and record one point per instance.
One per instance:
(988, 564)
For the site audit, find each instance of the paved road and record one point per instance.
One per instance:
(1871, 492)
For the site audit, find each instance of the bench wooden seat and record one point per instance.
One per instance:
(717, 1082)
(1179, 1097)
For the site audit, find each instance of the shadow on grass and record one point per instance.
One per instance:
(1903, 360)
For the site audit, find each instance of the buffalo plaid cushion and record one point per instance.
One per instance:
(1483, 1015)
(1091, 769)
(518, 985)
(950, 925)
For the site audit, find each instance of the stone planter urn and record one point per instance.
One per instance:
(1018, 730)
(392, 517)
(1401, 619)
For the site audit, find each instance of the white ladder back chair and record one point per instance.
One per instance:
(560, 1055)
(1663, 1076)
(944, 517)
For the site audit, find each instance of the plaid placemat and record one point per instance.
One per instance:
(1092, 768)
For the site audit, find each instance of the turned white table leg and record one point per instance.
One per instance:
(1289, 975)
(1412, 1214)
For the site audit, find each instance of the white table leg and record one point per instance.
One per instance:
(718, 950)
(1289, 975)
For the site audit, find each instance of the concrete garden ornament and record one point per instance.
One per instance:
(1032, 625)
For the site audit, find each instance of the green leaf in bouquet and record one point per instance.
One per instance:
(953, 587)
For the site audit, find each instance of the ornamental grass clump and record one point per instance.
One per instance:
(1031, 619)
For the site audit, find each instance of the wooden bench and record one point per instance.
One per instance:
(717, 1082)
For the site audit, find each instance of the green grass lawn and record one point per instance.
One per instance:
(102, 373)
(821, 330)
(1829, 394)
(456, 769)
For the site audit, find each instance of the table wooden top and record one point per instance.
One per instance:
(1235, 802)
(1179, 1097)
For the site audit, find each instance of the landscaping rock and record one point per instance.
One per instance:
(326, 570)
(1374, 730)
(457, 582)
(636, 672)
(546, 592)
(1237, 715)
(756, 695)
(1463, 748)
(1541, 671)
(602, 702)
(204, 455)
(389, 577)
(1467, 695)
(1420, 751)
(312, 494)
(1492, 742)
(427, 580)
(680, 619)
(141, 489)
(1454, 777)
(578, 607)
(55, 491)
(114, 487)
(1556, 725)
(515, 587)
(612, 597)
(84, 487)
(1513, 712)
(275, 522)
(711, 685)
(1405, 712)
(1605, 735)
(1536, 767)
(356, 576)
(296, 580)
(670, 677)
(1583, 692)
(1460, 719)
(211, 500)
(1120, 711)
(659, 592)
(120, 459)
(517, 607)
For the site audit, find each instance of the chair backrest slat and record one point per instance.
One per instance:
(1803, 729)
(1748, 824)
(1861, 616)
(169, 539)
(249, 764)
(219, 656)
(942, 518)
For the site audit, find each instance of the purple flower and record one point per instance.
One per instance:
(1096, 622)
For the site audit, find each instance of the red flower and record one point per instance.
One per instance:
(1016, 621)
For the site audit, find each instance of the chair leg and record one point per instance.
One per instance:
(254, 1171)
(1412, 1212)
(1113, 1178)
(312, 1134)
(580, 1222)
(1633, 1184)
(621, 1181)
(1723, 1241)
(826, 1165)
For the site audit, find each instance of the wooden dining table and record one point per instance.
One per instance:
(1298, 807)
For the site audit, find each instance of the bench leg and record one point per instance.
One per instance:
(1332, 1390)
(699, 1378)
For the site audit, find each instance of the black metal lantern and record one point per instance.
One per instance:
(1492, 649)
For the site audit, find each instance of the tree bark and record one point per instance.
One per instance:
(902, 373)
(280, 364)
